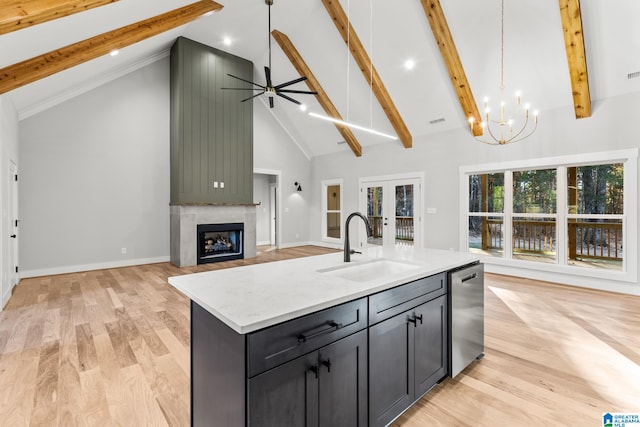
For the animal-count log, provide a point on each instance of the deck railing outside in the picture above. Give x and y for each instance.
(587, 240)
(404, 227)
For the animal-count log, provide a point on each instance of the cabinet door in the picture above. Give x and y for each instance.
(391, 349)
(343, 382)
(286, 395)
(430, 344)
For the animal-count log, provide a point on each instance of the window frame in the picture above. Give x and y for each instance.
(629, 158)
(325, 184)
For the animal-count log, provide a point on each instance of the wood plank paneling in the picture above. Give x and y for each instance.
(19, 14)
(314, 85)
(341, 21)
(211, 129)
(449, 52)
(39, 67)
(576, 56)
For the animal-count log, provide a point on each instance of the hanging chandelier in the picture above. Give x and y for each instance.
(507, 128)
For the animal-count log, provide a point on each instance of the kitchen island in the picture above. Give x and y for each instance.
(316, 341)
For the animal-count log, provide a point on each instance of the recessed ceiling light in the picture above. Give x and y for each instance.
(227, 41)
(114, 52)
(208, 13)
(409, 64)
(303, 107)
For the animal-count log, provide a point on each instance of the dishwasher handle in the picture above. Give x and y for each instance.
(470, 277)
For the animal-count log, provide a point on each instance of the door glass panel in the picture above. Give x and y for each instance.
(333, 225)
(404, 214)
(333, 211)
(374, 214)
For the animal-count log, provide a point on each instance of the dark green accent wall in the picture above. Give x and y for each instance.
(211, 130)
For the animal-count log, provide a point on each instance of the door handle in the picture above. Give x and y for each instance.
(414, 319)
(314, 369)
(327, 363)
(13, 236)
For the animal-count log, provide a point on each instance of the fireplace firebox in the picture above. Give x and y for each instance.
(220, 242)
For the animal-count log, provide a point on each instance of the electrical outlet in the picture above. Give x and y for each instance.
(123, 250)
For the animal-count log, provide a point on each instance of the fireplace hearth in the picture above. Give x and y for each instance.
(220, 242)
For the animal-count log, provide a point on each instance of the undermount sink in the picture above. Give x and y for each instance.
(368, 270)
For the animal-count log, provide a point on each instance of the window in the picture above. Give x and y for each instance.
(576, 215)
(486, 214)
(533, 222)
(595, 208)
(332, 210)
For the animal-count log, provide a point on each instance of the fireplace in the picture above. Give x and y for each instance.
(186, 247)
(220, 242)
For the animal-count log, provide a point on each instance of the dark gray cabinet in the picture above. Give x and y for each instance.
(360, 363)
(407, 352)
(326, 388)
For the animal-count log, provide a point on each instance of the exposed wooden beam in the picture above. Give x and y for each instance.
(303, 69)
(361, 57)
(576, 57)
(31, 70)
(18, 14)
(449, 52)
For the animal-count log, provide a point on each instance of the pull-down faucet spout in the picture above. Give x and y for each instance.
(347, 248)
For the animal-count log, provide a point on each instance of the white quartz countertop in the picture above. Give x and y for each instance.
(257, 296)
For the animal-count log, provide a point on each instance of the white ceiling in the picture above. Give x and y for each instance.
(391, 31)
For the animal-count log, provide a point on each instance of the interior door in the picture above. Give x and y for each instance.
(393, 210)
(12, 253)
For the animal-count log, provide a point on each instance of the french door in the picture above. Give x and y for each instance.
(393, 209)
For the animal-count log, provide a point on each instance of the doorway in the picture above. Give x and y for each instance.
(266, 193)
(393, 208)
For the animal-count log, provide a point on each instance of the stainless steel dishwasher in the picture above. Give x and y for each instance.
(466, 316)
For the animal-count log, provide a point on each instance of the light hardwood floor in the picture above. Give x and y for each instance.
(111, 347)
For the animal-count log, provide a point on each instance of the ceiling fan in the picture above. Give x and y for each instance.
(269, 88)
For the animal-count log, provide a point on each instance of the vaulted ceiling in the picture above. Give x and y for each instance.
(53, 50)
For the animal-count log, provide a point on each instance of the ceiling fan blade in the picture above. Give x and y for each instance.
(267, 75)
(271, 102)
(288, 98)
(251, 97)
(246, 81)
(306, 92)
(292, 82)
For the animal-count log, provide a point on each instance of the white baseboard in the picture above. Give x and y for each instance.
(5, 299)
(88, 267)
(328, 245)
(294, 244)
(263, 243)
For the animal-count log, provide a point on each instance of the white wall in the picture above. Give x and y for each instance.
(8, 153)
(95, 177)
(613, 126)
(275, 150)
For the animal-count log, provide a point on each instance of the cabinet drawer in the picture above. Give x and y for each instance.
(278, 344)
(388, 303)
